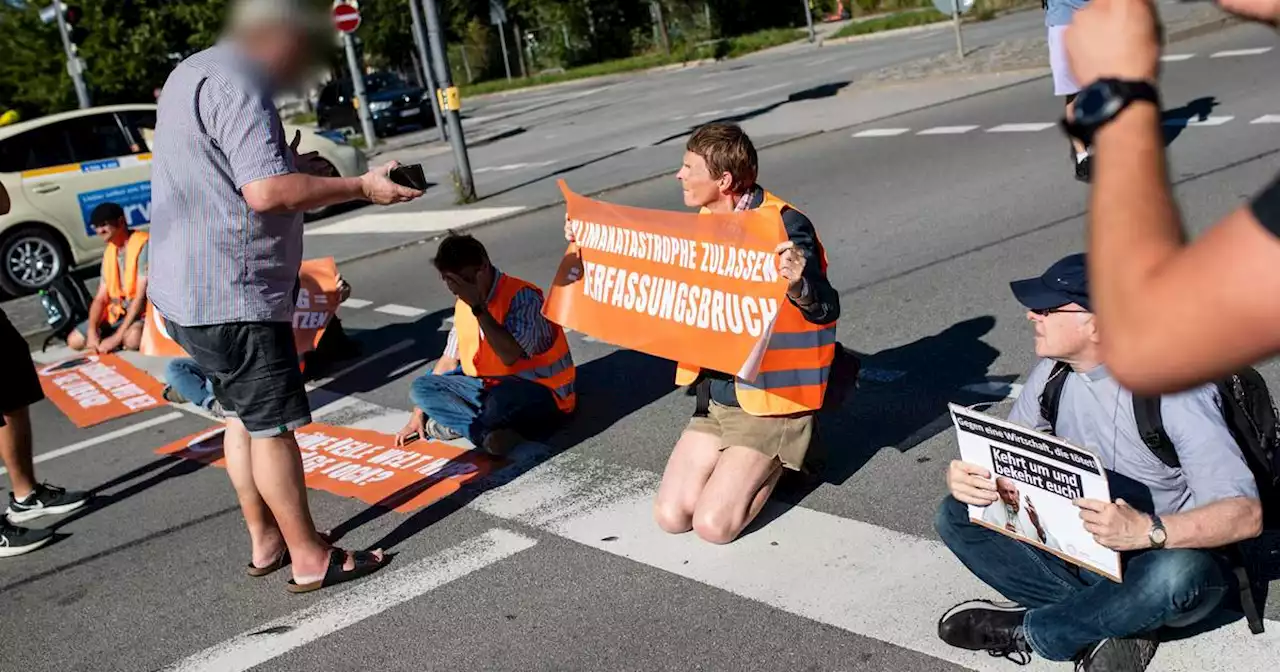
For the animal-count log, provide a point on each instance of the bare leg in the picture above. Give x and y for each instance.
(734, 495)
(1076, 145)
(264, 533)
(688, 468)
(15, 451)
(133, 337)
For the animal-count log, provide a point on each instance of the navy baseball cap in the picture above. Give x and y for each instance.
(1065, 282)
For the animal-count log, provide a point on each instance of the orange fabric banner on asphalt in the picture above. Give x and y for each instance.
(364, 464)
(700, 289)
(93, 389)
(317, 304)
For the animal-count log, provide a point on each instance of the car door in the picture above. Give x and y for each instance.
(105, 166)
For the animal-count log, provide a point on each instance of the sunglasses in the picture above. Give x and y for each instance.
(1045, 312)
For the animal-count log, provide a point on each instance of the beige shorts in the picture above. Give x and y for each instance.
(784, 437)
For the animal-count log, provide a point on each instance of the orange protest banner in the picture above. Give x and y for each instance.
(317, 304)
(96, 388)
(701, 289)
(364, 464)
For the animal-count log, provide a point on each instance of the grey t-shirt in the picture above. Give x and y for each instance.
(1096, 413)
(214, 260)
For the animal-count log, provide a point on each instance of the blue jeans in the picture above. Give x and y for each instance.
(463, 404)
(1070, 608)
(185, 376)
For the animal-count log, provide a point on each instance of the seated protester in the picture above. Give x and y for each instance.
(186, 382)
(729, 458)
(1165, 521)
(506, 372)
(117, 313)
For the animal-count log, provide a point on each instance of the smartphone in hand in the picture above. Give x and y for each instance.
(411, 176)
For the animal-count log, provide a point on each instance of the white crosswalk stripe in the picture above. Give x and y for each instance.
(1240, 52)
(1022, 128)
(1173, 58)
(400, 311)
(356, 303)
(1197, 121)
(1267, 119)
(881, 132)
(947, 130)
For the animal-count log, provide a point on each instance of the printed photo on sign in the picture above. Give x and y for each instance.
(701, 289)
(364, 464)
(1037, 478)
(134, 198)
(93, 389)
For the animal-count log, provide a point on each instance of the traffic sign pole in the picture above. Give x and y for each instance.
(448, 97)
(75, 66)
(420, 41)
(346, 18)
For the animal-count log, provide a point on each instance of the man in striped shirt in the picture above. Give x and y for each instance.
(229, 190)
(486, 386)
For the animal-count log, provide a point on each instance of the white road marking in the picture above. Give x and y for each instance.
(407, 367)
(1241, 52)
(946, 130)
(1172, 58)
(712, 113)
(1022, 128)
(316, 384)
(399, 310)
(1197, 121)
(881, 132)
(412, 222)
(103, 438)
(513, 166)
(995, 388)
(679, 118)
(757, 92)
(1267, 119)
(383, 591)
(708, 89)
(357, 303)
(822, 61)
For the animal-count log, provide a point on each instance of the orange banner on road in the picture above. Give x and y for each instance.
(701, 289)
(364, 464)
(317, 304)
(93, 389)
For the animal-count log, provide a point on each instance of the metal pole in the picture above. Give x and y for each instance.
(515, 29)
(357, 85)
(420, 40)
(75, 67)
(955, 19)
(506, 58)
(808, 17)
(456, 138)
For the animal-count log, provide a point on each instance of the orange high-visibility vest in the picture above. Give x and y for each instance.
(552, 369)
(797, 360)
(124, 289)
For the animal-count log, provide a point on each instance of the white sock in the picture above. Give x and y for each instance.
(1081, 156)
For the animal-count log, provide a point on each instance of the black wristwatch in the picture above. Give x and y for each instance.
(1100, 102)
(1157, 534)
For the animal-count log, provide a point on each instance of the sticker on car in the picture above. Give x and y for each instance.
(134, 198)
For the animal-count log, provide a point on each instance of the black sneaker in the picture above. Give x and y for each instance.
(1128, 654)
(46, 500)
(16, 540)
(985, 625)
(1084, 169)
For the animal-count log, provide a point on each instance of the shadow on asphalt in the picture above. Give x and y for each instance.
(609, 389)
(814, 93)
(1174, 121)
(901, 402)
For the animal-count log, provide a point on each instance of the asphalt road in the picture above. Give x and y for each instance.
(555, 564)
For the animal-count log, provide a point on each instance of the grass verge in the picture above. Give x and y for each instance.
(731, 47)
(892, 22)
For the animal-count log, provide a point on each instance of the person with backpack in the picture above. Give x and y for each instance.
(29, 499)
(1180, 503)
(118, 310)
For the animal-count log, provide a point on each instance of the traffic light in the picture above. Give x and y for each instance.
(75, 32)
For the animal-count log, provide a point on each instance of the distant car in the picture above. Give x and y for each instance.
(393, 104)
(57, 169)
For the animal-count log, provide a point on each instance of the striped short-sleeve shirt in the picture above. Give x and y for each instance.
(214, 260)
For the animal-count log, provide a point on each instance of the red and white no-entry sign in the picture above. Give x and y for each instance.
(346, 17)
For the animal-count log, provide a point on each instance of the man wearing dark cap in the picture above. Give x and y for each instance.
(1162, 521)
(118, 310)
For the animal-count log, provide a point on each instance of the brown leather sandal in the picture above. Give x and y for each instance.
(365, 562)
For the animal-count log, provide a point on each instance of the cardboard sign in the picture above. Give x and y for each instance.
(364, 464)
(701, 289)
(1037, 476)
(96, 388)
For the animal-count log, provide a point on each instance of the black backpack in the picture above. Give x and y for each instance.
(66, 304)
(1252, 419)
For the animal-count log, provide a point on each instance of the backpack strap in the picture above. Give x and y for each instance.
(702, 388)
(1146, 411)
(1051, 395)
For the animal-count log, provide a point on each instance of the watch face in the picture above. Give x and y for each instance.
(1158, 535)
(1097, 103)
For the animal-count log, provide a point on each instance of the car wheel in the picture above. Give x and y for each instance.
(321, 213)
(30, 258)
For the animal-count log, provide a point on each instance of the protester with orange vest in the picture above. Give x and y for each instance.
(744, 432)
(506, 373)
(117, 312)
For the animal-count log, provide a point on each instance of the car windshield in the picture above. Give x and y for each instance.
(382, 81)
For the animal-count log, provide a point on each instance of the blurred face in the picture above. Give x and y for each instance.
(701, 189)
(107, 231)
(1064, 332)
(286, 52)
(1008, 492)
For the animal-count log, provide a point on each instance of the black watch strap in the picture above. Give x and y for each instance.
(1125, 91)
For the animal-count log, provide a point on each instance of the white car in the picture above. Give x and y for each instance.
(57, 169)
